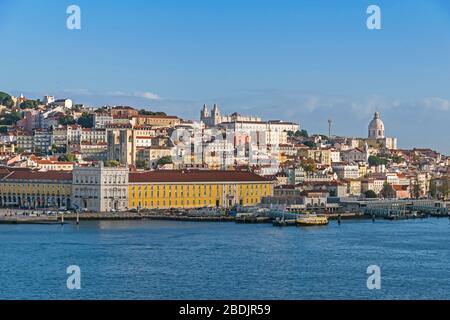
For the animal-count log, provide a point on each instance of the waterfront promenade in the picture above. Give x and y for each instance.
(11, 216)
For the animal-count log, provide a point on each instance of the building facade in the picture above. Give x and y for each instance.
(110, 189)
(36, 189)
(99, 188)
(214, 117)
(196, 189)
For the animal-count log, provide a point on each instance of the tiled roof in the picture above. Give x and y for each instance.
(156, 117)
(40, 175)
(195, 176)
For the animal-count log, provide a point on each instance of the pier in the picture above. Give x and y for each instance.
(397, 209)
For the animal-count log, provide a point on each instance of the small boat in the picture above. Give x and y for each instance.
(311, 220)
(284, 222)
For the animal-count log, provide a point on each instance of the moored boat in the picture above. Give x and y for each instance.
(311, 220)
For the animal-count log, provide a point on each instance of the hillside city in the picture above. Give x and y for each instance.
(58, 154)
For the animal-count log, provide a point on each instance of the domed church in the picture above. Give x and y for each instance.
(376, 127)
(377, 135)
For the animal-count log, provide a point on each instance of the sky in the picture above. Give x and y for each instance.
(303, 61)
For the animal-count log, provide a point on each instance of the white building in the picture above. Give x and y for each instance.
(42, 140)
(335, 156)
(99, 188)
(266, 132)
(213, 118)
(101, 119)
(355, 155)
(93, 136)
(59, 136)
(65, 103)
(346, 171)
(74, 134)
(48, 100)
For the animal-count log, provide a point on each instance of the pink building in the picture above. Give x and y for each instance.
(401, 192)
(31, 120)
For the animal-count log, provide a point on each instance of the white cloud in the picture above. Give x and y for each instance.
(137, 94)
(435, 103)
(147, 95)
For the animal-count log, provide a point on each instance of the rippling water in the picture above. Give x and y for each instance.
(193, 260)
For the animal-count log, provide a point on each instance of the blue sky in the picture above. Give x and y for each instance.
(296, 60)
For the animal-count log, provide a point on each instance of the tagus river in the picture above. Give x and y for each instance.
(195, 260)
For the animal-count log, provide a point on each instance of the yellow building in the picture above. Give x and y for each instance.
(354, 187)
(7, 148)
(35, 189)
(160, 189)
(159, 121)
(362, 170)
(51, 165)
(196, 189)
(318, 155)
(149, 156)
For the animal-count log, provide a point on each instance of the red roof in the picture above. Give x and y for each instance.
(40, 175)
(195, 176)
(53, 162)
(156, 117)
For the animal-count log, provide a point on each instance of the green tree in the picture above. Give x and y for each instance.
(310, 144)
(86, 120)
(29, 104)
(387, 191)
(164, 160)
(370, 194)
(111, 163)
(39, 151)
(444, 189)
(416, 190)
(433, 189)
(298, 134)
(376, 161)
(140, 164)
(309, 165)
(302, 133)
(68, 157)
(151, 113)
(6, 100)
(397, 159)
(10, 119)
(67, 120)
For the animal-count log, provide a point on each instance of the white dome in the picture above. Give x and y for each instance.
(376, 127)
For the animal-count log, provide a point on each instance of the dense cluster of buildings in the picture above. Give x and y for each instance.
(57, 154)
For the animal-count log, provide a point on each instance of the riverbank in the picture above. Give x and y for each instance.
(122, 216)
(158, 216)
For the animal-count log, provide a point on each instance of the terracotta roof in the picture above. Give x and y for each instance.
(400, 188)
(4, 172)
(195, 176)
(156, 117)
(53, 162)
(40, 175)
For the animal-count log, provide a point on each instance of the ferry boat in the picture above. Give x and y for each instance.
(311, 220)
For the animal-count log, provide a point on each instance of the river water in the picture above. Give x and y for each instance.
(202, 260)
